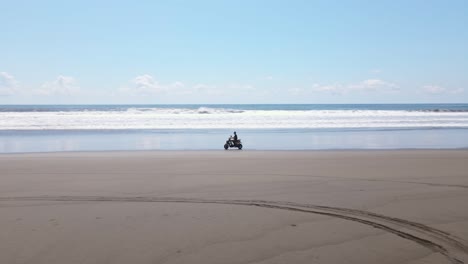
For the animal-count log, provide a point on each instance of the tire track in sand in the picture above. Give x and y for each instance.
(453, 248)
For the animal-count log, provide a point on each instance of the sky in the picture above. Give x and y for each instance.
(216, 52)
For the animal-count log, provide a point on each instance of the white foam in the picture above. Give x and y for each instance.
(214, 118)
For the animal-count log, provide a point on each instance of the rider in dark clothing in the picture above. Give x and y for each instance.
(235, 137)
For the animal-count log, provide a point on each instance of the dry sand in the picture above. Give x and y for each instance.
(235, 207)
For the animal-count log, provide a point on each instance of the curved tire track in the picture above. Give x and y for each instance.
(453, 248)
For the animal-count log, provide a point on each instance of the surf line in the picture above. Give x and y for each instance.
(453, 248)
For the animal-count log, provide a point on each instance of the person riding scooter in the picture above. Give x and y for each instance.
(233, 142)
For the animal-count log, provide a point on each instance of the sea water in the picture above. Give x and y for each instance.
(43, 128)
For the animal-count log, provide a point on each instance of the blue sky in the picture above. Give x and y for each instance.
(88, 52)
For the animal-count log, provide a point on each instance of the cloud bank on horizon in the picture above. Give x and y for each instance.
(54, 52)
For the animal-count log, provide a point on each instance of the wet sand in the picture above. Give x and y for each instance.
(399, 206)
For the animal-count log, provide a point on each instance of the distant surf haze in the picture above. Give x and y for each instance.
(124, 107)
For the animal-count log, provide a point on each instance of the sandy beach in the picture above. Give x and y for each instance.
(398, 206)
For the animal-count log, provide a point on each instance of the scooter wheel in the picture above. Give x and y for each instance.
(240, 146)
(226, 146)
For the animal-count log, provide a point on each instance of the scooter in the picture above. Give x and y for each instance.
(230, 143)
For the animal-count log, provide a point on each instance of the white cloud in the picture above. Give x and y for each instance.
(296, 91)
(201, 87)
(457, 91)
(62, 85)
(370, 85)
(8, 84)
(373, 85)
(436, 89)
(206, 89)
(146, 84)
(177, 85)
(333, 88)
(240, 87)
(231, 89)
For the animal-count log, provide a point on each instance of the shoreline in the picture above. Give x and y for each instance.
(234, 150)
(44, 141)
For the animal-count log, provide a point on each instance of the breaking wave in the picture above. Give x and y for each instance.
(227, 118)
(200, 110)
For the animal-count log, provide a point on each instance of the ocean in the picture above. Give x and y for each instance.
(51, 128)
